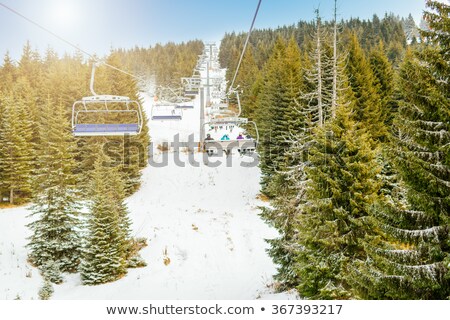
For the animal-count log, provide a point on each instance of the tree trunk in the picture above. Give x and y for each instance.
(319, 74)
(11, 196)
(334, 97)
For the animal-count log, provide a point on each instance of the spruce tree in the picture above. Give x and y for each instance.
(410, 258)
(16, 149)
(314, 107)
(107, 238)
(331, 220)
(7, 74)
(30, 68)
(384, 81)
(317, 95)
(245, 79)
(275, 111)
(368, 109)
(388, 93)
(55, 209)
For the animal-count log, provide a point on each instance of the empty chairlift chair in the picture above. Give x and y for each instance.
(166, 112)
(106, 115)
(185, 106)
(191, 86)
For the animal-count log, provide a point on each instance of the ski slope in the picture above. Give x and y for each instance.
(205, 237)
(205, 218)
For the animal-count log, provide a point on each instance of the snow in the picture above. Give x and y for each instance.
(17, 277)
(204, 218)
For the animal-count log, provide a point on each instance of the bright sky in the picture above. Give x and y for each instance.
(98, 25)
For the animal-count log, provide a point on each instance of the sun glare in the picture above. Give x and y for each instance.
(64, 13)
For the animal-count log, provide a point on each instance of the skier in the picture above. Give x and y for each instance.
(225, 137)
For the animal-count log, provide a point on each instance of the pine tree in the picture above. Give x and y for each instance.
(385, 87)
(7, 74)
(107, 239)
(368, 112)
(384, 82)
(16, 150)
(275, 113)
(283, 249)
(318, 92)
(410, 258)
(331, 220)
(30, 68)
(55, 208)
(46, 291)
(410, 28)
(315, 106)
(245, 79)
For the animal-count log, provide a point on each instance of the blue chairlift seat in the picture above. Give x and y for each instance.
(185, 106)
(106, 105)
(190, 92)
(93, 129)
(167, 117)
(166, 111)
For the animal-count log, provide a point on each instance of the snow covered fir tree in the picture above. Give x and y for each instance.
(108, 227)
(55, 242)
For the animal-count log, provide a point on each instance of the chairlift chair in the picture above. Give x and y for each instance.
(243, 146)
(191, 86)
(185, 106)
(166, 112)
(99, 115)
(227, 121)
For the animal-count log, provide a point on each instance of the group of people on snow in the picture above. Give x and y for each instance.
(226, 137)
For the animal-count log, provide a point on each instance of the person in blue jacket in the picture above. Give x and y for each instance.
(225, 137)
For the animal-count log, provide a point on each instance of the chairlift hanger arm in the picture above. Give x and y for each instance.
(245, 44)
(91, 86)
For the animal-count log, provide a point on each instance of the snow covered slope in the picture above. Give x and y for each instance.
(17, 278)
(206, 220)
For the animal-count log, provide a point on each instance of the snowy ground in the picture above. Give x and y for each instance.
(205, 218)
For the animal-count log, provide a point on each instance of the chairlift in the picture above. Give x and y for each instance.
(227, 121)
(106, 115)
(185, 106)
(191, 85)
(220, 113)
(166, 111)
(243, 146)
(221, 110)
(216, 94)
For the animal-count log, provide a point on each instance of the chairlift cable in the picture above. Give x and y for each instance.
(65, 41)
(245, 45)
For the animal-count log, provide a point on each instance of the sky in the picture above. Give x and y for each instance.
(96, 26)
